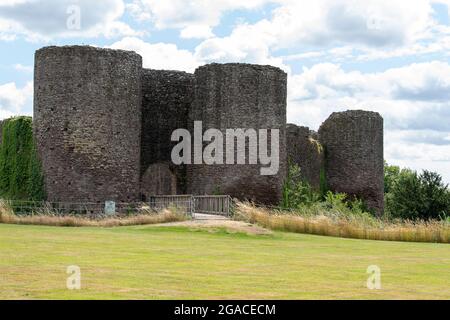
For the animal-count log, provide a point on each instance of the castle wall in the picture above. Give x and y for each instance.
(103, 129)
(87, 122)
(305, 150)
(167, 96)
(353, 142)
(230, 96)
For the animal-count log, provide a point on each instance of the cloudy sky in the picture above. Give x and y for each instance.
(390, 56)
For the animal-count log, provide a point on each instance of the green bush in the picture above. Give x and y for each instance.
(413, 196)
(300, 196)
(297, 191)
(20, 169)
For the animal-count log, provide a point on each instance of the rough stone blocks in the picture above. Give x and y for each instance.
(353, 142)
(233, 96)
(167, 97)
(306, 151)
(87, 122)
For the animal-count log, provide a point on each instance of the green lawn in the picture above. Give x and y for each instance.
(176, 263)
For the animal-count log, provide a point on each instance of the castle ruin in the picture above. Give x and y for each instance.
(103, 127)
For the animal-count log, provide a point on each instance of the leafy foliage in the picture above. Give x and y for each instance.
(20, 169)
(299, 195)
(390, 175)
(410, 195)
(297, 191)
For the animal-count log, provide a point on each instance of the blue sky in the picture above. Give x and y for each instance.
(390, 56)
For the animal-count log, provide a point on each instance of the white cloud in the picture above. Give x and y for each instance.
(418, 150)
(184, 13)
(374, 23)
(14, 99)
(22, 68)
(339, 26)
(47, 19)
(196, 31)
(160, 55)
(415, 96)
(244, 44)
(414, 101)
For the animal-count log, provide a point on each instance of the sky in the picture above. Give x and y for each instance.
(389, 56)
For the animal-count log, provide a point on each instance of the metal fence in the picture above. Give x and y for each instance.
(54, 208)
(187, 204)
(215, 205)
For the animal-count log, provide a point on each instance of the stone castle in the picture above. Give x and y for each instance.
(103, 127)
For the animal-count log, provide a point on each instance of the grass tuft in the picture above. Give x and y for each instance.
(323, 223)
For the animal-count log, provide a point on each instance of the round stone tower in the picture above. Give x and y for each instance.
(239, 96)
(87, 122)
(353, 142)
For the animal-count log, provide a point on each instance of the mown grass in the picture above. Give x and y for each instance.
(149, 262)
(315, 220)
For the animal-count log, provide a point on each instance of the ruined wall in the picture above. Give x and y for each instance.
(229, 96)
(87, 122)
(103, 127)
(305, 150)
(167, 96)
(353, 142)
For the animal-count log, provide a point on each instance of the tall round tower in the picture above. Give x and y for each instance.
(87, 122)
(240, 96)
(353, 142)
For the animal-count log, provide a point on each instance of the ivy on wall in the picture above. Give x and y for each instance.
(21, 174)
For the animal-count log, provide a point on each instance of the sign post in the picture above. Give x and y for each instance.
(110, 208)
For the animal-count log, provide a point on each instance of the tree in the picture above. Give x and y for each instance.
(391, 174)
(404, 199)
(436, 200)
(412, 196)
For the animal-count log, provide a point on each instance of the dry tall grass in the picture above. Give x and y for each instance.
(432, 231)
(47, 218)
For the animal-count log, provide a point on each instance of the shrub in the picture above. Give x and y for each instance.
(298, 194)
(297, 191)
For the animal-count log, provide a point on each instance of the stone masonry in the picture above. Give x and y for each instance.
(354, 161)
(305, 150)
(232, 96)
(167, 97)
(87, 122)
(103, 128)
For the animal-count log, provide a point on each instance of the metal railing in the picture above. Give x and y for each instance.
(215, 205)
(187, 204)
(184, 203)
(20, 207)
